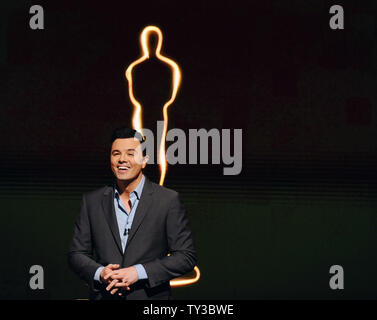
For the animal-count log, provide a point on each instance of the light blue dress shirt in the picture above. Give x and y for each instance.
(124, 220)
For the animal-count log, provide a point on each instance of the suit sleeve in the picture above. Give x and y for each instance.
(182, 258)
(80, 255)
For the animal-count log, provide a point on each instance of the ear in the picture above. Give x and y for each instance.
(145, 160)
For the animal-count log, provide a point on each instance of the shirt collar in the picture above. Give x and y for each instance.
(138, 190)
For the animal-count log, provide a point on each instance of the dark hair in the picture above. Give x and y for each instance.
(125, 132)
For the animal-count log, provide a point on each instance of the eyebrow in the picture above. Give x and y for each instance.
(116, 150)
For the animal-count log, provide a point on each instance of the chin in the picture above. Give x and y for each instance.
(126, 177)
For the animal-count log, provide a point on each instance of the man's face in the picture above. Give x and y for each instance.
(127, 158)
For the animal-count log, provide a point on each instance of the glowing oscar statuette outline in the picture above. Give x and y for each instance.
(137, 114)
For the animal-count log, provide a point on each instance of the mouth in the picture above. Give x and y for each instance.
(123, 169)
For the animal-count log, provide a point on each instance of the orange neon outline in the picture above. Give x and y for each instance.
(137, 114)
(136, 117)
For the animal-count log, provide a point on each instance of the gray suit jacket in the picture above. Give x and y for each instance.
(160, 226)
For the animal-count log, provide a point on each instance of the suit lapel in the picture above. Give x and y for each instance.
(109, 210)
(142, 209)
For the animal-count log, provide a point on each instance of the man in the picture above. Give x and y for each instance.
(138, 230)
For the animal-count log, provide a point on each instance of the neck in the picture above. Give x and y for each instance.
(126, 187)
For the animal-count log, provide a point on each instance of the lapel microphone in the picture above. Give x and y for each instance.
(126, 231)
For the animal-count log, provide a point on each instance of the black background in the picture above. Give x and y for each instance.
(303, 94)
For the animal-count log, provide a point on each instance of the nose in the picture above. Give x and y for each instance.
(123, 158)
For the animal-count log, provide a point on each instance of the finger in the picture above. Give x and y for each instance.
(110, 274)
(107, 276)
(111, 284)
(114, 272)
(114, 290)
(121, 285)
(114, 266)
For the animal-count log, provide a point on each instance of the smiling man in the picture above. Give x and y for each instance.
(138, 230)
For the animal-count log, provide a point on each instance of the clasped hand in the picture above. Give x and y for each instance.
(116, 278)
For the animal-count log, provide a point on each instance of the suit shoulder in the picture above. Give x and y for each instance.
(164, 191)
